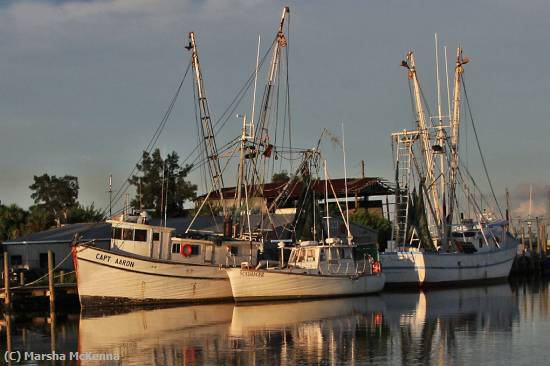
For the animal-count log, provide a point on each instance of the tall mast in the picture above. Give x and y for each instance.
(424, 137)
(262, 137)
(455, 129)
(206, 124)
(440, 142)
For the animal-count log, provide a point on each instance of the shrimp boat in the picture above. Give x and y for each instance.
(315, 269)
(148, 264)
(443, 232)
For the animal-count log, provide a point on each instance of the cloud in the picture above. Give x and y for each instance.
(520, 203)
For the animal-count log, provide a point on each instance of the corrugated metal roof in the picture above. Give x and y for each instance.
(88, 231)
(368, 186)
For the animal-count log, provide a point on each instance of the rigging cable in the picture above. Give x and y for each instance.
(479, 147)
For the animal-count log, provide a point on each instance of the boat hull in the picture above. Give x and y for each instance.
(106, 278)
(433, 269)
(253, 285)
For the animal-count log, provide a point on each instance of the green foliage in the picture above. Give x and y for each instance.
(81, 213)
(55, 195)
(39, 219)
(12, 221)
(362, 217)
(149, 180)
(280, 177)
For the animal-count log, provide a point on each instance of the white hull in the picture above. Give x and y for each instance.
(419, 269)
(109, 278)
(252, 285)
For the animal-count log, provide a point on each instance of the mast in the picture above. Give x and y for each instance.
(441, 143)
(455, 129)
(262, 136)
(206, 124)
(424, 137)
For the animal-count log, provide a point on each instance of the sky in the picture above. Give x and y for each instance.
(84, 83)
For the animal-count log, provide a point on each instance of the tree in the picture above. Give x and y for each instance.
(362, 217)
(81, 213)
(154, 171)
(39, 219)
(55, 195)
(280, 177)
(12, 221)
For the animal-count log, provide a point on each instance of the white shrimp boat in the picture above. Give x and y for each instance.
(146, 265)
(441, 235)
(314, 270)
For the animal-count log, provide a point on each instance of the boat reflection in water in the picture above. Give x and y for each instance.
(435, 326)
(454, 325)
(166, 336)
(459, 326)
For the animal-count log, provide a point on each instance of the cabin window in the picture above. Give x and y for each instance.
(128, 234)
(43, 259)
(176, 247)
(310, 255)
(196, 250)
(233, 250)
(156, 236)
(334, 255)
(322, 256)
(16, 260)
(300, 255)
(117, 233)
(140, 235)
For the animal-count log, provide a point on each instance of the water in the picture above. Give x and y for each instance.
(492, 325)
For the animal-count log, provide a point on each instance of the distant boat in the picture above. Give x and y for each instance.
(432, 242)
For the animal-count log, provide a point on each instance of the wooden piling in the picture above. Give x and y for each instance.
(51, 286)
(7, 293)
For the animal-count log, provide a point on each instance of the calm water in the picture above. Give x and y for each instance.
(493, 325)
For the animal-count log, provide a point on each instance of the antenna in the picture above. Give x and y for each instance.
(110, 195)
(437, 77)
(448, 89)
(251, 133)
(350, 238)
(326, 198)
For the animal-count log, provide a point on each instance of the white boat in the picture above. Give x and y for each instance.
(146, 264)
(314, 270)
(441, 233)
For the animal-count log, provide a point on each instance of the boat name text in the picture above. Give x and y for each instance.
(120, 262)
(251, 273)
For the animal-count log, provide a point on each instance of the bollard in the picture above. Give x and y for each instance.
(51, 281)
(7, 293)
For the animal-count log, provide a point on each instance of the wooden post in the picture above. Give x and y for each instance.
(62, 277)
(7, 293)
(22, 279)
(362, 168)
(51, 281)
(539, 245)
(530, 233)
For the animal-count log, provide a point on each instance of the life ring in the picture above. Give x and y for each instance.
(186, 250)
(376, 268)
